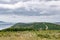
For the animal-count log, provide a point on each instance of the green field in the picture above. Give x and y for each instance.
(31, 35)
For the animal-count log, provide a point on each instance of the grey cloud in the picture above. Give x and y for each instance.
(12, 1)
(15, 1)
(51, 10)
(25, 12)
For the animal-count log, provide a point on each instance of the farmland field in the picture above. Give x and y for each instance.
(30, 35)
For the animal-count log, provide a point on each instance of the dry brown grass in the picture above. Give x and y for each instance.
(30, 35)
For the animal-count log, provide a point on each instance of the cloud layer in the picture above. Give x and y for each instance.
(26, 19)
(30, 10)
(32, 5)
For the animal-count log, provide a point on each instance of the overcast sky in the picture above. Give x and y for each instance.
(30, 10)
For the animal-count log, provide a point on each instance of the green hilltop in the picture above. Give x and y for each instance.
(33, 26)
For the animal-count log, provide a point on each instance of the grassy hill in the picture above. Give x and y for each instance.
(33, 26)
(23, 31)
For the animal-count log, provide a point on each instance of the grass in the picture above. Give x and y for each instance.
(31, 35)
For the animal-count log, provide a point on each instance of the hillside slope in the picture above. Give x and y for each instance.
(33, 26)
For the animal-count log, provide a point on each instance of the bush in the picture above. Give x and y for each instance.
(43, 35)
